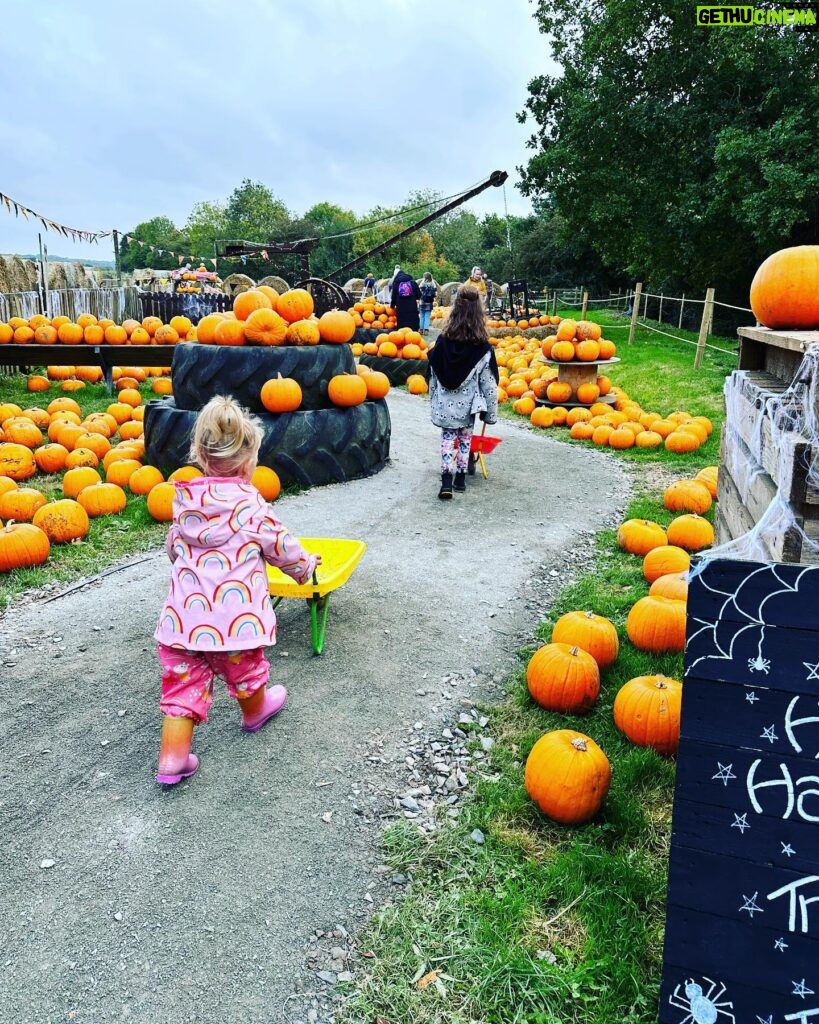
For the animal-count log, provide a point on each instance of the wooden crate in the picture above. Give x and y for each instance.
(754, 465)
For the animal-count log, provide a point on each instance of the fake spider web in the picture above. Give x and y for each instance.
(793, 416)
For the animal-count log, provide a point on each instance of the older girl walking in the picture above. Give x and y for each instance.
(463, 382)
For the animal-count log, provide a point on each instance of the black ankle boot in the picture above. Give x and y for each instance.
(460, 481)
(445, 492)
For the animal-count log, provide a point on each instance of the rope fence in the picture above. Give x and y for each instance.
(648, 309)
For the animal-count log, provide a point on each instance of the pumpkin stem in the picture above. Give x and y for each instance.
(579, 744)
(589, 615)
(574, 651)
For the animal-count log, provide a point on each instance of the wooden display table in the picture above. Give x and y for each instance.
(104, 356)
(577, 373)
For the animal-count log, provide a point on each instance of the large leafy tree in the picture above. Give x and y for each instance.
(161, 233)
(682, 153)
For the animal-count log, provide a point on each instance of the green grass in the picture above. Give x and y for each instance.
(110, 537)
(545, 923)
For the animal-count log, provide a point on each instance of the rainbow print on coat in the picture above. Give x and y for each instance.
(248, 624)
(223, 533)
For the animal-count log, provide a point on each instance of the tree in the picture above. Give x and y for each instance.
(159, 232)
(681, 152)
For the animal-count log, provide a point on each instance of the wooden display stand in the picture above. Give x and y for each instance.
(755, 463)
(577, 373)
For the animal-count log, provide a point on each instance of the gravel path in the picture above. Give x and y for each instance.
(119, 900)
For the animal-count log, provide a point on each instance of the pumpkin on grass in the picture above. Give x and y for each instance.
(142, 480)
(564, 678)
(160, 502)
(647, 711)
(21, 504)
(691, 532)
(673, 585)
(660, 561)
(102, 499)
(687, 496)
(592, 633)
(62, 521)
(639, 536)
(568, 776)
(657, 624)
(16, 461)
(76, 480)
(22, 545)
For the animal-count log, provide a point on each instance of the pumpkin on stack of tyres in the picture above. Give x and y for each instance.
(321, 423)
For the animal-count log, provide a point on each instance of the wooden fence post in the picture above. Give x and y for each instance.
(554, 303)
(660, 314)
(117, 258)
(705, 327)
(635, 310)
(584, 304)
(682, 307)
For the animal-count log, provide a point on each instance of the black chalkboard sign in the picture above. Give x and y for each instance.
(742, 928)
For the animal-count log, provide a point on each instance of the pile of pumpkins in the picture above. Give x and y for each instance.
(578, 341)
(263, 317)
(260, 316)
(284, 394)
(567, 774)
(372, 315)
(74, 378)
(100, 460)
(403, 343)
(524, 378)
(534, 319)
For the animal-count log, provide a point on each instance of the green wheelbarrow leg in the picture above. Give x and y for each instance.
(318, 621)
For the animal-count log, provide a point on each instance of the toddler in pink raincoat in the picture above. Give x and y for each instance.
(218, 617)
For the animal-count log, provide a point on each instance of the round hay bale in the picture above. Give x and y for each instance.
(448, 292)
(233, 284)
(540, 333)
(4, 281)
(273, 281)
(22, 274)
(56, 276)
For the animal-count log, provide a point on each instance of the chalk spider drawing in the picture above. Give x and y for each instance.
(702, 1007)
(759, 664)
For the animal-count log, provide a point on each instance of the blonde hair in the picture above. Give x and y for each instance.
(226, 438)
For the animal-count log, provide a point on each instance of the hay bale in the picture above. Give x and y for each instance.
(540, 333)
(4, 280)
(234, 284)
(448, 292)
(22, 274)
(56, 276)
(272, 281)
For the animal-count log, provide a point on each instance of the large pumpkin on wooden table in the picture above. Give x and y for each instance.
(785, 289)
(568, 776)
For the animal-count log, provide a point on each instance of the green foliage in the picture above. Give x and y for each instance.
(682, 153)
(160, 232)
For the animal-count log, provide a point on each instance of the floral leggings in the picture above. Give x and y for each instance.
(455, 448)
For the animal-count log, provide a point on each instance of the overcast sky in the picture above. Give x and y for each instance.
(116, 113)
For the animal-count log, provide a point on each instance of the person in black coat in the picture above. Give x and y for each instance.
(405, 296)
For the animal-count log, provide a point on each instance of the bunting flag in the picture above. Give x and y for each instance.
(76, 234)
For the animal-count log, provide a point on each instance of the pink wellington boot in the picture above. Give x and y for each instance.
(264, 704)
(176, 762)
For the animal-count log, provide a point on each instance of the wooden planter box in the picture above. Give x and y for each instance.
(754, 464)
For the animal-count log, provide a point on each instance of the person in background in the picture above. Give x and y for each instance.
(369, 285)
(404, 299)
(477, 279)
(463, 382)
(217, 618)
(428, 289)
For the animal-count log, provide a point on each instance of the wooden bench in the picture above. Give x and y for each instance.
(23, 357)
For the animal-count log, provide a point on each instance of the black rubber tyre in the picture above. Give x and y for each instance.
(397, 370)
(309, 447)
(202, 371)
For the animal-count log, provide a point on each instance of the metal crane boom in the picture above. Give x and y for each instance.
(496, 179)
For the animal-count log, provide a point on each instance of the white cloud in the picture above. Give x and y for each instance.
(117, 113)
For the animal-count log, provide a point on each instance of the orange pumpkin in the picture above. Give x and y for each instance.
(568, 776)
(281, 394)
(160, 502)
(296, 304)
(345, 389)
(785, 289)
(22, 545)
(562, 677)
(590, 632)
(62, 521)
(336, 326)
(248, 302)
(647, 710)
(267, 482)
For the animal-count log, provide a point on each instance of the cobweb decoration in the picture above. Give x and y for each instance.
(794, 417)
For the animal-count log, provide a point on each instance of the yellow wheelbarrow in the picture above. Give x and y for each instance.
(338, 560)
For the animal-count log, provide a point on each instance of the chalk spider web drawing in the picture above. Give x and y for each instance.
(718, 639)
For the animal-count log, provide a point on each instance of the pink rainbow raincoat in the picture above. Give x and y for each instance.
(222, 535)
